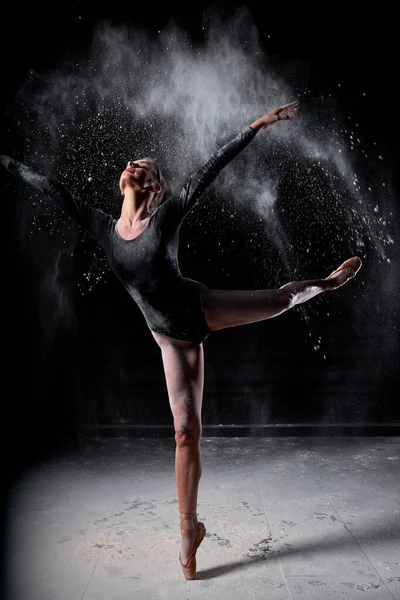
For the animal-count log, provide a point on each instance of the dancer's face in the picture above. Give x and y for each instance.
(138, 175)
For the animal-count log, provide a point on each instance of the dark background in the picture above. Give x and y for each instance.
(103, 375)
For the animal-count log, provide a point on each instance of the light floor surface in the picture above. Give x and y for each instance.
(287, 518)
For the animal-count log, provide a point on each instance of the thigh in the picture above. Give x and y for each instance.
(228, 308)
(183, 364)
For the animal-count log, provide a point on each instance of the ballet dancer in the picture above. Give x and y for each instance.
(142, 250)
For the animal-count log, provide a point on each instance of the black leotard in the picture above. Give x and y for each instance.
(148, 265)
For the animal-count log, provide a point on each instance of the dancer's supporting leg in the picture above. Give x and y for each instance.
(228, 308)
(184, 373)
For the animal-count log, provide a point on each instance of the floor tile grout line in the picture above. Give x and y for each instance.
(356, 541)
(289, 596)
(341, 520)
(23, 541)
(382, 486)
(118, 506)
(111, 514)
(90, 578)
(188, 585)
(108, 514)
(370, 473)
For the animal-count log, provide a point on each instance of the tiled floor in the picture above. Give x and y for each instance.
(287, 518)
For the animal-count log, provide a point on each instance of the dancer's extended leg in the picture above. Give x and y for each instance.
(228, 308)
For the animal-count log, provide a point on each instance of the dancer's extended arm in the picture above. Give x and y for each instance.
(92, 219)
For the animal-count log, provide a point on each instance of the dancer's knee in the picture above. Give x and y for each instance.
(187, 431)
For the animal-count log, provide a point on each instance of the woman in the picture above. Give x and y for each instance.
(142, 250)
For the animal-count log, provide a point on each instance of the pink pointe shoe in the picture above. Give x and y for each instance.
(346, 271)
(189, 568)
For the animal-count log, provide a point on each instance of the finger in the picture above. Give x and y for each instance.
(286, 111)
(287, 114)
(291, 104)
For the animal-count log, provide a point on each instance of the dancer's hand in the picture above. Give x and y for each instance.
(282, 113)
(5, 160)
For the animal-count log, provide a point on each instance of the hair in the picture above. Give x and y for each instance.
(159, 178)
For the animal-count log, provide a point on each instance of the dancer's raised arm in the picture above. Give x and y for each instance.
(92, 219)
(282, 113)
(203, 177)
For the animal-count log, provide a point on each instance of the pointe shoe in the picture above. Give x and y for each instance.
(189, 568)
(351, 265)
